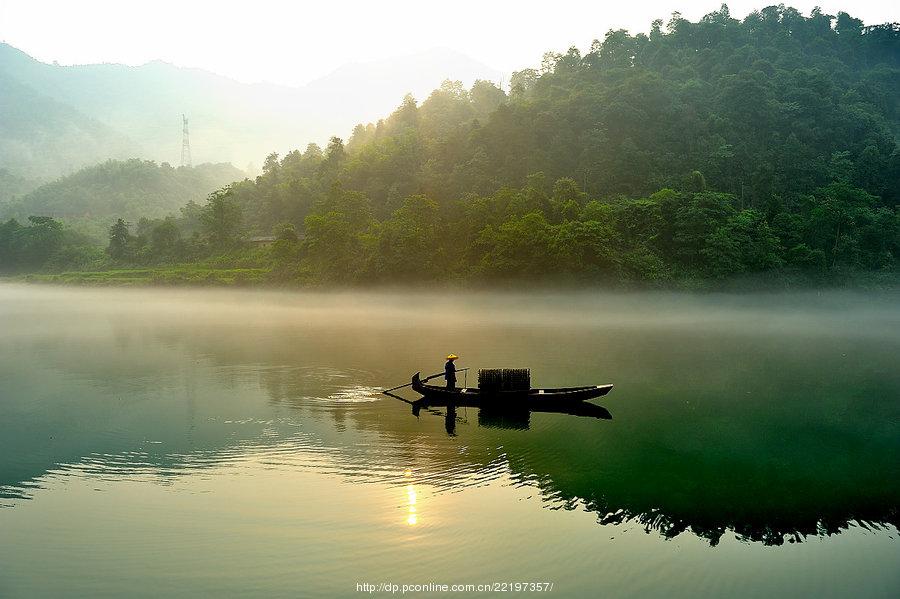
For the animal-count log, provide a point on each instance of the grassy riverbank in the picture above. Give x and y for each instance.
(180, 275)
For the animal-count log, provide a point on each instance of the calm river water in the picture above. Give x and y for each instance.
(220, 443)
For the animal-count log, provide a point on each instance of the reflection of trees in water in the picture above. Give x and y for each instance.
(770, 529)
(674, 495)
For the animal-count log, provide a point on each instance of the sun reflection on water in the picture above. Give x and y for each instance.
(412, 517)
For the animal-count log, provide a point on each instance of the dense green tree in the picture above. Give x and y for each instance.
(42, 238)
(285, 251)
(406, 243)
(221, 220)
(698, 217)
(485, 98)
(587, 249)
(44, 243)
(517, 248)
(848, 228)
(744, 243)
(119, 240)
(165, 238)
(285, 232)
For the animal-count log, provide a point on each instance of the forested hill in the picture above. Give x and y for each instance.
(766, 108)
(774, 139)
(128, 189)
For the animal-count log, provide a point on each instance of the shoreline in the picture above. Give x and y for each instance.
(190, 276)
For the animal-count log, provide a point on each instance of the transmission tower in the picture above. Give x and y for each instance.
(185, 144)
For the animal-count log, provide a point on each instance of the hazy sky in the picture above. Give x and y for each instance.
(294, 42)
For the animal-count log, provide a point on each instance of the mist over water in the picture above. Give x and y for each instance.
(210, 440)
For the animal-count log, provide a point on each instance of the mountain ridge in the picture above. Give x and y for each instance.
(230, 121)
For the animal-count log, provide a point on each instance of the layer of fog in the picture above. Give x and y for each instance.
(26, 309)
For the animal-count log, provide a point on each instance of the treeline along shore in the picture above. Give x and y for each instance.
(698, 154)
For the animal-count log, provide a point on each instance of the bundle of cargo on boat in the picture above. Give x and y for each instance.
(504, 379)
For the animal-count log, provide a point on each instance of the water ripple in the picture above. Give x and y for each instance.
(299, 451)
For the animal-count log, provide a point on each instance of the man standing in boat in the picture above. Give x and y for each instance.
(450, 371)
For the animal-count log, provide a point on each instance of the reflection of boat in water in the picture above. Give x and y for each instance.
(512, 415)
(534, 399)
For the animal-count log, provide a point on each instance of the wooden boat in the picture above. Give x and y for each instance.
(531, 397)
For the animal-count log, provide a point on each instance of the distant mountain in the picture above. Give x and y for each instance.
(59, 118)
(127, 189)
(41, 137)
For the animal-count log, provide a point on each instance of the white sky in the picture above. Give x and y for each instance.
(295, 42)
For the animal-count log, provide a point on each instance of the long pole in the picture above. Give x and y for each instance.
(427, 378)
